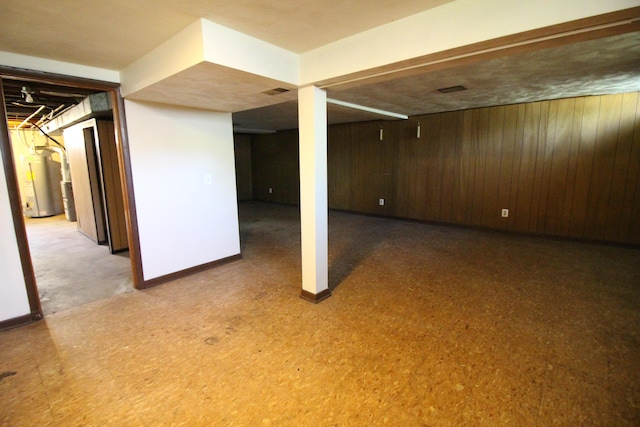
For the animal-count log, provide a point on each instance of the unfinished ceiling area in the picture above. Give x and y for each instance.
(37, 102)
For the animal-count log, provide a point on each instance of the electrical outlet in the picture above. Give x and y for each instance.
(505, 213)
(270, 190)
(381, 202)
(208, 179)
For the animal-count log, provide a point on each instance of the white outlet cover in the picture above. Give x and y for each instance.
(381, 202)
(505, 213)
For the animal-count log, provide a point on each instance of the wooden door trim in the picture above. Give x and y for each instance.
(18, 222)
(124, 165)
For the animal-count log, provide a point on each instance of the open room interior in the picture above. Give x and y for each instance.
(336, 213)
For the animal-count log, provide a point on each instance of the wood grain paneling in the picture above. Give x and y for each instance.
(242, 149)
(112, 186)
(275, 166)
(568, 167)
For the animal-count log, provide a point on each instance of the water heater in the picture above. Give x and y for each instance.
(42, 192)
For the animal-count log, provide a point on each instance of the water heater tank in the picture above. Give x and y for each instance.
(42, 192)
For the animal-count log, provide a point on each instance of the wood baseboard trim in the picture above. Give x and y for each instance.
(315, 298)
(187, 272)
(17, 321)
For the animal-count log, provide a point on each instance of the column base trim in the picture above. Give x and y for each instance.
(315, 298)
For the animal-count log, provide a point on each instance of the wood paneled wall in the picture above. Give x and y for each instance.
(242, 149)
(567, 167)
(275, 166)
(112, 186)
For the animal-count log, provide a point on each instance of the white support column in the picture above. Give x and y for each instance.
(312, 118)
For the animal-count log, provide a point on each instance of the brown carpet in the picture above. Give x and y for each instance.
(427, 325)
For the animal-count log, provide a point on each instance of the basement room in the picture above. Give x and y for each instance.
(320, 213)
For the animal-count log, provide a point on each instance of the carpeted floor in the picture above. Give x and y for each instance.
(427, 325)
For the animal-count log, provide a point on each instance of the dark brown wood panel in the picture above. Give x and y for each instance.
(467, 169)
(517, 160)
(538, 174)
(528, 155)
(619, 178)
(576, 129)
(567, 167)
(112, 187)
(448, 138)
(479, 141)
(584, 166)
(275, 166)
(242, 149)
(559, 134)
(495, 132)
(630, 220)
(605, 150)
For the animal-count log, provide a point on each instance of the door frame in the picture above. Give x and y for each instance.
(124, 164)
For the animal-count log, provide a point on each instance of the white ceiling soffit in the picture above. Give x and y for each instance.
(213, 87)
(122, 31)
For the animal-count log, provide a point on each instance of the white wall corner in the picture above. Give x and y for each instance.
(234, 49)
(180, 52)
(58, 67)
(183, 172)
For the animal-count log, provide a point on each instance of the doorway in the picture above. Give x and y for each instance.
(63, 267)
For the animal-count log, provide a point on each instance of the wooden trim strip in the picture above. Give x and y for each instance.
(16, 213)
(315, 298)
(187, 272)
(610, 24)
(124, 162)
(16, 321)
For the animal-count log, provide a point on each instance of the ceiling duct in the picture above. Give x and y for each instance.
(94, 105)
(452, 89)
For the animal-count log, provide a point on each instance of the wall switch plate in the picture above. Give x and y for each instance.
(505, 213)
(208, 179)
(270, 190)
(381, 202)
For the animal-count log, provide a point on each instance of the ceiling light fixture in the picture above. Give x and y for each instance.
(26, 93)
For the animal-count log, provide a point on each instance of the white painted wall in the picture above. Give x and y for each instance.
(183, 172)
(13, 292)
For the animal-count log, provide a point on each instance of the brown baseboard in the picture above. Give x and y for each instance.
(187, 272)
(16, 321)
(315, 298)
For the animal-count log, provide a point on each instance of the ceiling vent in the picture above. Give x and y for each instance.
(276, 91)
(452, 89)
